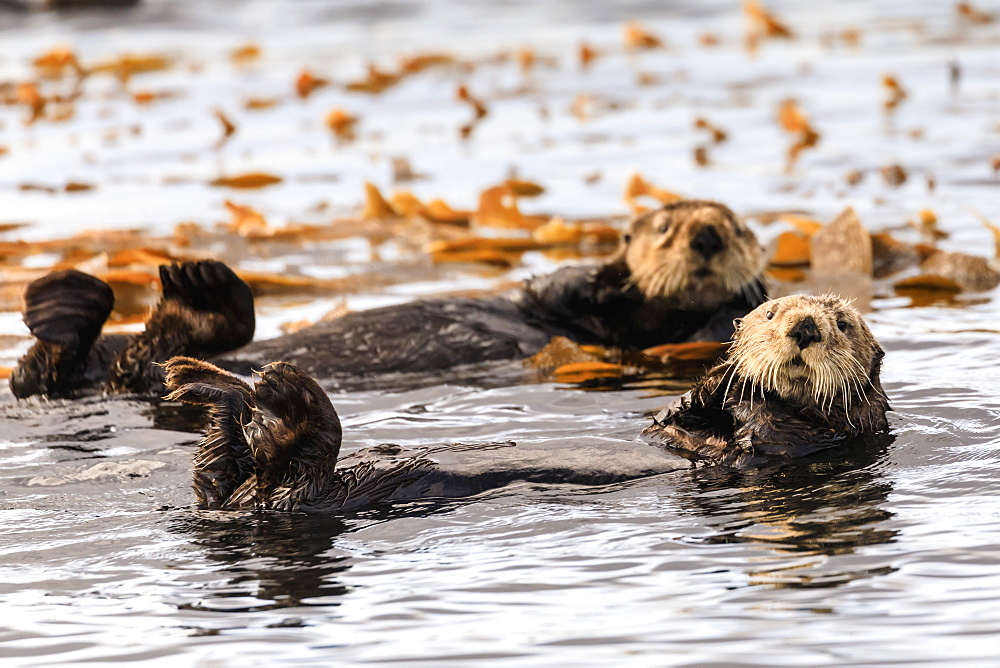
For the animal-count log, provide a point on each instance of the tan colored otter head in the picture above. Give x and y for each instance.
(694, 252)
(808, 350)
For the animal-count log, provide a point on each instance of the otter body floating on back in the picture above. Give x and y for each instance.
(684, 272)
(802, 374)
(276, 445)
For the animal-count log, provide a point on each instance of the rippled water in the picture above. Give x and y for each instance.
(884, 555)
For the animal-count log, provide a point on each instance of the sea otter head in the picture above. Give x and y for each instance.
(809, 350)
(695, 253)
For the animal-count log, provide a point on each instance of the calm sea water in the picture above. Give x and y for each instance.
(859, 557)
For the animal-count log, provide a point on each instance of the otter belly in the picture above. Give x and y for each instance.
(420, 336)
(458, 471)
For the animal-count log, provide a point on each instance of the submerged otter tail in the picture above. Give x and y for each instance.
(223, 461)
(205, 310)
(65, 311)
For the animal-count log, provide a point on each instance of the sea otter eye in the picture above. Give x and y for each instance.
(769, 315)
(663, 227)
(842, 325)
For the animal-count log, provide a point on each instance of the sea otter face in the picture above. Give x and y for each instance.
(811, 350)
(695, 253)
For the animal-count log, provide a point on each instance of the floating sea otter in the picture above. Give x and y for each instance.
(684, 272)
(276, 446)
(803, 374)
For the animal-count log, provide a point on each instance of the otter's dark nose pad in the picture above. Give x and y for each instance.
(805, 332)
(707, 242)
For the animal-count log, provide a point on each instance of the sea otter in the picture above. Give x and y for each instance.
(682, 274)
(275, 446)
(802, 374)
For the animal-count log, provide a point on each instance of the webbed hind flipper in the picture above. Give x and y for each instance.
(65, 311)
(295, 436)
(205, 310)
(223, 461)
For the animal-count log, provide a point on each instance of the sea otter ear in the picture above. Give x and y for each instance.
(737, 324)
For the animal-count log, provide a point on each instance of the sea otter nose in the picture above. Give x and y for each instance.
(707, 242)
(805, 332)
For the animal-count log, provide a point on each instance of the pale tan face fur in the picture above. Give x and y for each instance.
(696, 253)
(812, 362)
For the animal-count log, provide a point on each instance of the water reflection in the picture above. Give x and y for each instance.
(282, 560)
(271, 561)
(824, 506)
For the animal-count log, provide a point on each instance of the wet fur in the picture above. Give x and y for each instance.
(275, 446)
(770, 399)
(205, 309)
(657, 289)
(65, 311)
(660, 288)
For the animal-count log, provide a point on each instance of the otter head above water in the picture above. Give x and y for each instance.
(695, 253)
(802, 373)
(808, 350)
(682, 274)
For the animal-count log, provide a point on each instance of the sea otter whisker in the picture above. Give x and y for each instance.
(847, 413)
(822, 399)
(732, 374)
(665, 283)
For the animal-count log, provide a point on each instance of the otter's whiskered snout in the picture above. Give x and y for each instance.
(695, 253)
(840, 369)
(778, 396)
(805, 333)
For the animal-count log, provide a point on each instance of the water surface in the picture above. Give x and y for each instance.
(885, 554)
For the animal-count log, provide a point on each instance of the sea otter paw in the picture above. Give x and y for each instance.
(68, 308)
(198, 382)
(212, 301)
(283, 389)
(290, 406)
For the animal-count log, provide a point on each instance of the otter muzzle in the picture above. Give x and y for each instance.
(805, 332)
(707, 242)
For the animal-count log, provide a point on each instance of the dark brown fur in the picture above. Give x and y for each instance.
(65, 311)
(205, 309)
(275, 447)
(802, 374)
(683, 273)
